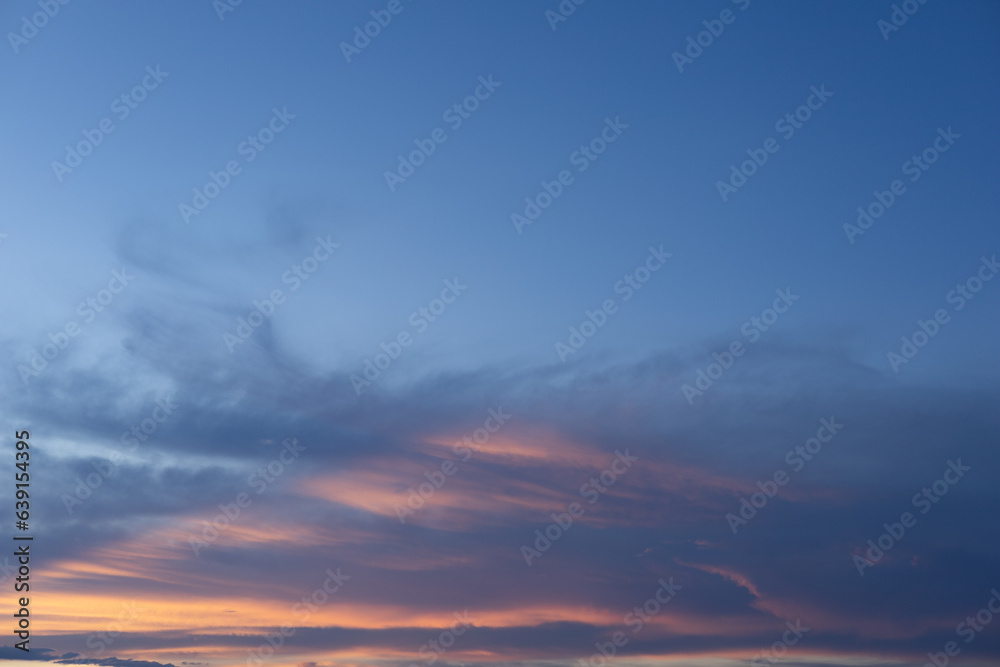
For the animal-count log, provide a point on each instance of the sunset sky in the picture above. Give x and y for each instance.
(517, 334)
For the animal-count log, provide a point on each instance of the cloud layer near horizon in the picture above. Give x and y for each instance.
(142, 538)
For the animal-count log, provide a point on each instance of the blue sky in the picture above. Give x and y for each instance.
(655, 185)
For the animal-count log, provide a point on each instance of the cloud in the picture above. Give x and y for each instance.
(50, 656)
(335, 506)
(115, 662)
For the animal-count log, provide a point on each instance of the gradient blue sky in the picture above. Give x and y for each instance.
(656, 185)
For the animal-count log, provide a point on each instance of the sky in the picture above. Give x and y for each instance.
(509, 333)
